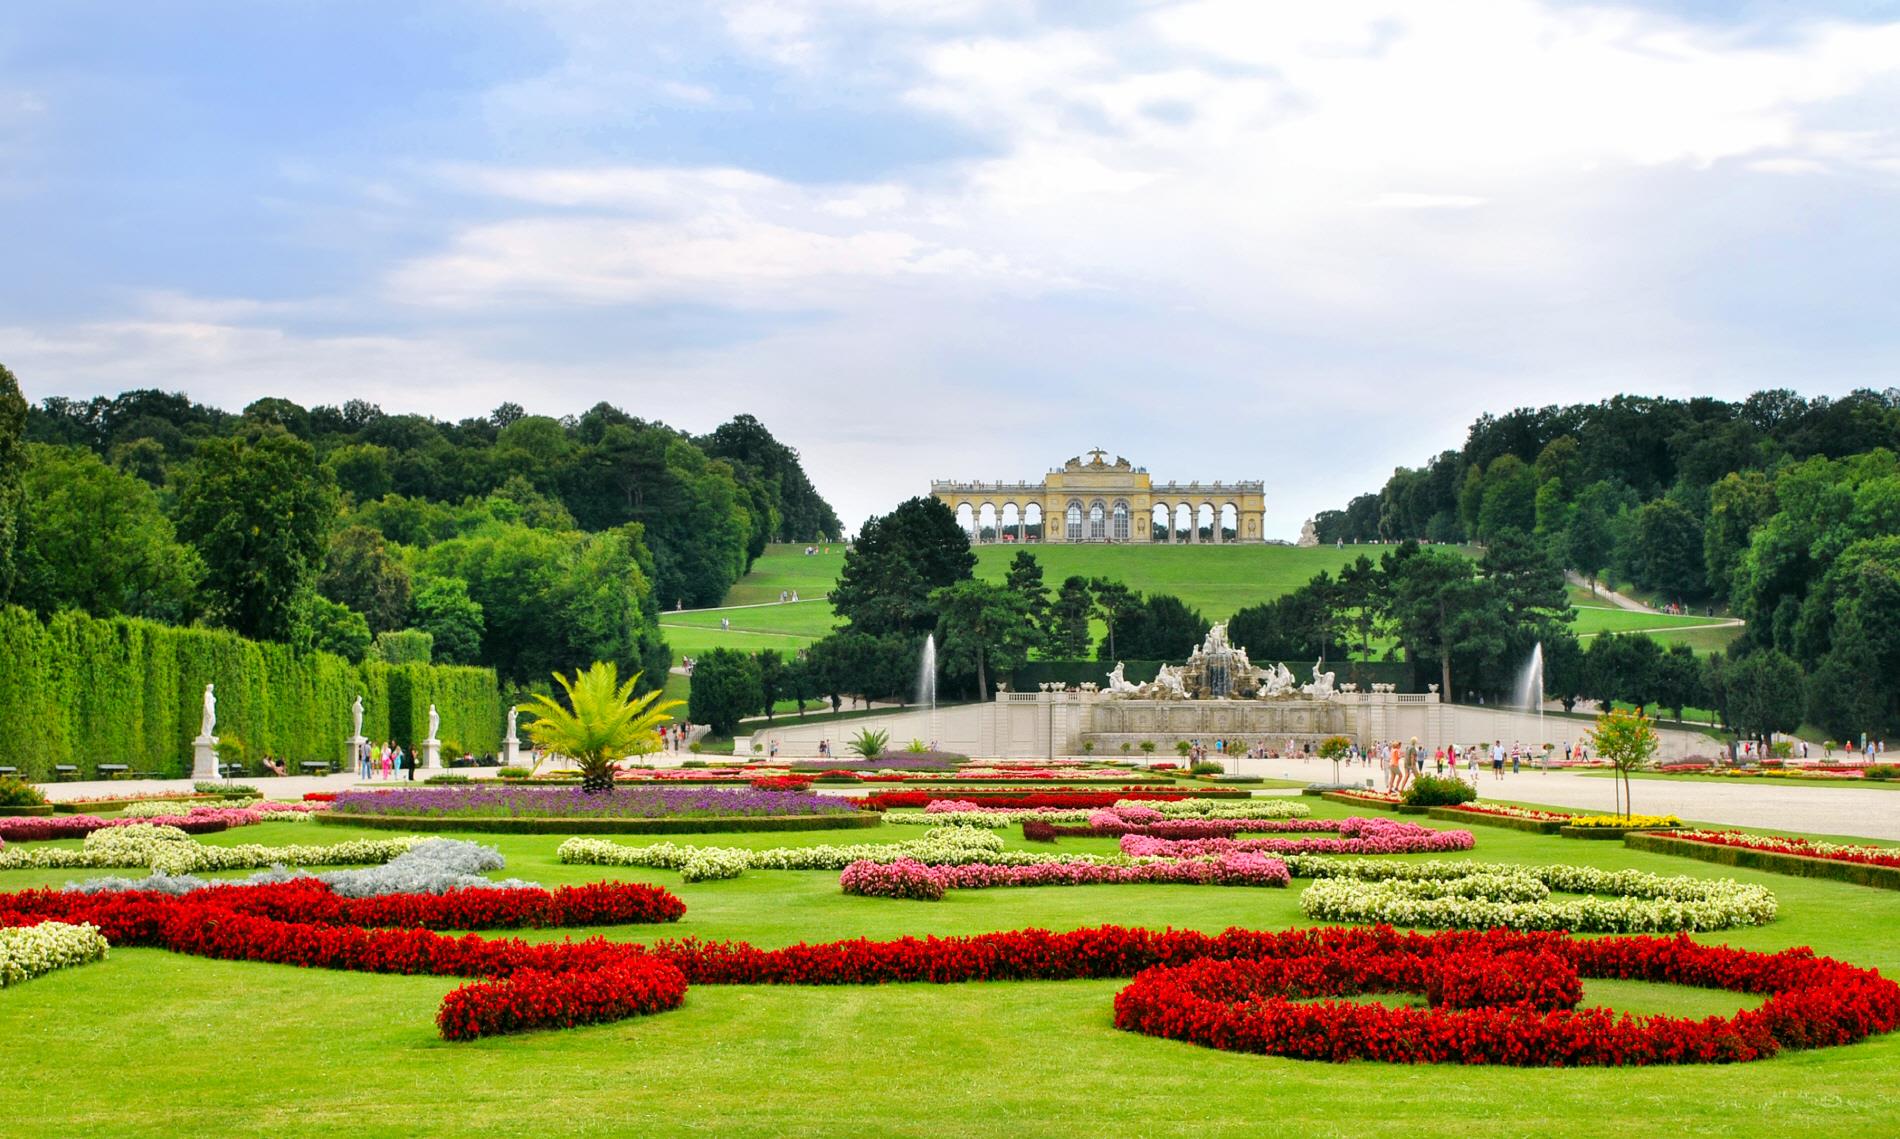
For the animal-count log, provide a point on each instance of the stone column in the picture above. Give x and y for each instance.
(355, 756)
(431, 754)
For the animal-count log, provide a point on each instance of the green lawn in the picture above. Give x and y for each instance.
(150, 1042)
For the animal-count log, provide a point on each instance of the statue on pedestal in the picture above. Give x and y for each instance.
(1118, 682)
(435, 723)
(356, 717)
(514, 714)
(210, 719)
(1309, 536)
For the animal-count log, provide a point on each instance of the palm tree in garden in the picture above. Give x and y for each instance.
(603, 723)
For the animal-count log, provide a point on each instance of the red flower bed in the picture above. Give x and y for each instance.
(1257, 1005)
(1037, 831)
(782, 782)
(319, 796)
(303, 923)
(1055, 797)
(1232, 990)
(1776, 844)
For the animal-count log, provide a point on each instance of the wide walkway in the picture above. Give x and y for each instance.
(289, 787)
(1865, 811)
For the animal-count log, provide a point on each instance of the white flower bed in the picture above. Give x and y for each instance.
(36, 950)
(1480, 895)
(171, 851)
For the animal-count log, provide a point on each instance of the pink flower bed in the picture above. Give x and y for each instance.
(1356, 836)
(906, 878)
(193, 820)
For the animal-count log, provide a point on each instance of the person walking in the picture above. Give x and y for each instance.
(1497, 760)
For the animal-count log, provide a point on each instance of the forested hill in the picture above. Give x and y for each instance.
(521, 542)
(1786, 509)
(708, 504)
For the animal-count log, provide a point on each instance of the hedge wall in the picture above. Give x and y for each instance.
(81, 690)
(1773, 861)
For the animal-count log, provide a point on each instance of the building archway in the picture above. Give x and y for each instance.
(966, 519)
(1012, 523)
(1098, 521)
(1158, 528)
(986, 522)
(1183, 522)
(1032, 522)
(1229, 522)
(1204, 522)
(1072, 521)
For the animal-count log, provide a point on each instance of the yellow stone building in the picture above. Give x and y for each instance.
(1101, 501)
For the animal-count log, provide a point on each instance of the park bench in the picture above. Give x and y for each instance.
(9, 772)
(314, 767)
(113, 770)
(65, 771)
(231, 770)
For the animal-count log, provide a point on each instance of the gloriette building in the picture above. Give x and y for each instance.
(1100, 501)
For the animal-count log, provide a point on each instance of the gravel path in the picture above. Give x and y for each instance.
(1861, 811)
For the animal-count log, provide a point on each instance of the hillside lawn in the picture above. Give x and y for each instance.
(1217, 580)
(152, 1043)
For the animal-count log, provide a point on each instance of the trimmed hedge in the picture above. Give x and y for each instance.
(1603, 832)
(1534, 826)
(83, 690)
(1859, 874)
(512, 825)
(35, 810)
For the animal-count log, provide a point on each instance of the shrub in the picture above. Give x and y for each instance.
(1183, 747)
(447, 779)
(1334, 747)
(1148, 746)
(231, 790)
(19, 793)
(917, 747)
(869, 743)
(1207, 767)
(1882, 772)
(1088, 747)
(513, 773)
(1431, 791)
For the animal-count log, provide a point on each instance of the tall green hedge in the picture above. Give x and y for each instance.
(81, 690)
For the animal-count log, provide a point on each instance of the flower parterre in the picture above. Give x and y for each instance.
(1260, 1004)
(33, 951)
(1054, 797)
(501, 800)
(1512, 812)
(1624, 822)
(907, 878)
(942, 846)
(300, 923)
(1806, 848)
(169, 849)
(1482, 895)
(1356, 836)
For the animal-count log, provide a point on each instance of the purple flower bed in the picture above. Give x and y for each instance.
(501, 801)
(907, 878)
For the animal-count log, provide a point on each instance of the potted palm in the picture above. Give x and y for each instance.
(602, 723)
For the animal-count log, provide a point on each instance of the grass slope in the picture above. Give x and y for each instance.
(153, 1043)
(1217, 580)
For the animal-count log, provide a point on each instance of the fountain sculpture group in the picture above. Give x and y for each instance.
(1218, 670)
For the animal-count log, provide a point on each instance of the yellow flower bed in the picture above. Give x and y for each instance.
(1624, 821)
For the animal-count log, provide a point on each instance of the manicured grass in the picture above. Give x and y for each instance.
(249, 1048)
(1755, 781)
(1594, 619)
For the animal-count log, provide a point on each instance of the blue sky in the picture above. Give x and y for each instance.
(959, 238)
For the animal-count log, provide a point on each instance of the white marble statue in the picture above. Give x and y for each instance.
(210, 719)
(1118, 682)
(514, 714)
(435, 723)
(356, 717)
(1168, 684)
(1322, 685)
(1276, 681)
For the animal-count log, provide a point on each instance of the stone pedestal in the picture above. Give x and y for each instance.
(510, 751)
(353, 759)
(204, 757)
(431, 754)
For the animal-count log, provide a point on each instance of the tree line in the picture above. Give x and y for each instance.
(521, 542)
(1784, 510)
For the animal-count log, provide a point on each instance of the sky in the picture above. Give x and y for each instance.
(922, 239)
